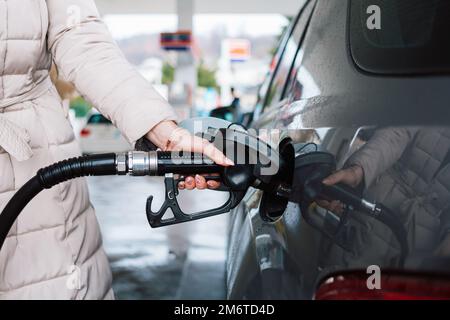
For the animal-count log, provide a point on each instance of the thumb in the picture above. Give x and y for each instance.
(209, 150)
(334, 178)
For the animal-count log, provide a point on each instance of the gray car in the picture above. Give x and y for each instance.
(369, 82)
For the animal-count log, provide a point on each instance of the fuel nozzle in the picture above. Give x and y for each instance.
(252, 158)
(307, 187)
(172, 165)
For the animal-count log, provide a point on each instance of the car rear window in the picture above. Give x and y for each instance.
(400, 36)
(98, 119)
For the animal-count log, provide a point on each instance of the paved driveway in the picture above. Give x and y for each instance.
(184, 261)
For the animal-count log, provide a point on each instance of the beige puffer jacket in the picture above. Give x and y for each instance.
(54, 250)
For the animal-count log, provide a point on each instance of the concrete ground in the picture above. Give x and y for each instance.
(185, 261)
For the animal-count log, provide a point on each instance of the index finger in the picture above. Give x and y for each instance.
(215, 154)
(334, 178)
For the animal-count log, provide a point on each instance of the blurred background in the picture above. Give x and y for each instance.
(206, 57)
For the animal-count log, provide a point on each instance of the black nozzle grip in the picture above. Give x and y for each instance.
(343, 193)
(186, 163)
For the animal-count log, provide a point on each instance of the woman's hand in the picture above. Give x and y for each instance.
(351, 176)
(169, 137)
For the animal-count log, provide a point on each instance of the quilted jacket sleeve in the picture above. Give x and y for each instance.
(382, 151)
(86, 55)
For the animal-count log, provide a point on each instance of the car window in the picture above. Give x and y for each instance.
(301, 84)
(264, 88)
(98, 119)
(400, 36)
(285, 65)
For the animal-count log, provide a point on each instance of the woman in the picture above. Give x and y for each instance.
(57, 234)
(407, 169)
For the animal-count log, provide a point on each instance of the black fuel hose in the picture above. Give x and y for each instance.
(388, 218)
(376, 211)
(46, 178)
(15, 206)
(153, 163)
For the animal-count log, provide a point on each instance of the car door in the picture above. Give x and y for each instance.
(256, 256)
(294, 269)
(350, 84)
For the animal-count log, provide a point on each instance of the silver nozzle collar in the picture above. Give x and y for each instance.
(153, 162)
(138, 163)
(121, 164)
(368, 205)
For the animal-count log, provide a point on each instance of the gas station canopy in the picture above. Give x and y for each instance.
(286, 7)
(179, 38)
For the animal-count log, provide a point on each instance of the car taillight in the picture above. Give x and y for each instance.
(85, 132)
(393, 286)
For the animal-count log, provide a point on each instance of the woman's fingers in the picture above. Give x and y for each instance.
(351, 176)
(335, 178)
(333, 206)
(182, 140)
(323, 203)
(190, 183)
(336, 207)
(213, 184)
(203, 146)
(200, 182)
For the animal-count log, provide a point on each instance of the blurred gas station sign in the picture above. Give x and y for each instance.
(178, 41)
(239, 50)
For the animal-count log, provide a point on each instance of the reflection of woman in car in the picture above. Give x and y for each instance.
(54, 250)
(408, 170)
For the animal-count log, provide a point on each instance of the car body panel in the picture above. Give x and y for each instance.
(337, 99)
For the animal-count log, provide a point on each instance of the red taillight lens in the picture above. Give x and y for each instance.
(394, 286)
(85, 132)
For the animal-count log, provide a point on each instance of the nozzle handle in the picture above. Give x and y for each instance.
(343, 193)
(186, 163)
